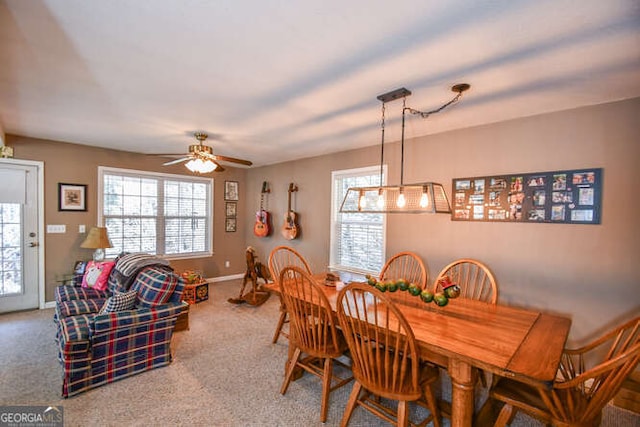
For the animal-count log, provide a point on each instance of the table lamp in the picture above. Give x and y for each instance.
(97, 239)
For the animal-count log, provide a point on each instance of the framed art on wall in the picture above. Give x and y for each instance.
(555, 197)
(230, 225)
(231, 209)
(72, 197)
(231, 190)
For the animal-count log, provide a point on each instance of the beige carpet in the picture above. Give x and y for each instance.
(225, 372)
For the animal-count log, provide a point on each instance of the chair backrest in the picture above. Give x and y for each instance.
(474, 279)
(284, 256)
(381, 343)
(405, 265)
(312, 328)
(580, 393)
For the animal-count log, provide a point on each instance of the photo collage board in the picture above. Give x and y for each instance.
(563, 197)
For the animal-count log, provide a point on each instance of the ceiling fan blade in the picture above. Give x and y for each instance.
(232, 160)
(218, 168)
(174, 162)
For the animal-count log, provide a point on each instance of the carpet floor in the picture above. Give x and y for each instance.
(225, 372)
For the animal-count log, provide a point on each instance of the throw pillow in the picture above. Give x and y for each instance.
(96, 275)
(120, 302)
(155, 285)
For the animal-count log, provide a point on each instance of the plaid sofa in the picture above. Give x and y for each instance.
(98, 348)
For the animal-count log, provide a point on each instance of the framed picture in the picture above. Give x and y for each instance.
(230, 225)
(231, 208)
(72, 197)
(231, 190)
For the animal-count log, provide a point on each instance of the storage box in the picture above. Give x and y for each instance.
(195, 292)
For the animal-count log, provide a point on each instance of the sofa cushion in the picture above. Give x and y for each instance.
(154, 285)
(96, 275)
(120, 302)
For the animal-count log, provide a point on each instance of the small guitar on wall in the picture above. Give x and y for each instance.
(290, 228)
(262, 227)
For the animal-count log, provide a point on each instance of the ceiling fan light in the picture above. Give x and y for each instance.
(201, 166)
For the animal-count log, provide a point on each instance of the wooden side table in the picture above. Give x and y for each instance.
(183, 319)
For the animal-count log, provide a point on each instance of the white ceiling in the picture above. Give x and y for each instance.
(277, 80)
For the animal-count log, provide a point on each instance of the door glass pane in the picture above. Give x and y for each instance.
(10, 249)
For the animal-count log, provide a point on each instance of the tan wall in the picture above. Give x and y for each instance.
(78, 164)
(587, 271)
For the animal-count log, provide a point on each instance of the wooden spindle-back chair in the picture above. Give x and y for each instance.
(312, 332)
(408, 266)
(580, 392)
(385, 357)
(279, 258)
(474, 279)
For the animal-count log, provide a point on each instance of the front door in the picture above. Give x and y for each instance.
(19, 244)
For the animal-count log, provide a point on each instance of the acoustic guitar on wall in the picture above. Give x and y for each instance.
(262, 227)
(290, 228)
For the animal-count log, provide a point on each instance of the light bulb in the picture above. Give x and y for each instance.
(424, 199)
(362, 202)
(401, 202)
(380, 202)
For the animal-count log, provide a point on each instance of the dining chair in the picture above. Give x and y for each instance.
(405, 265)
(312, 332)
(579, 392)
(385, 358)
(476, 282)
(474, 279)
(279, 258)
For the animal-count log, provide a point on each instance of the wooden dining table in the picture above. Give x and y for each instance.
(466, 335)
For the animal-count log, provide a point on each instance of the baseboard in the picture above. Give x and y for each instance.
(49, 304)
(225, 278)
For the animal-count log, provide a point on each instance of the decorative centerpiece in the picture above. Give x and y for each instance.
(450, 290)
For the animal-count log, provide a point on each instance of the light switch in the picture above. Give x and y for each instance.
(82, 228)
(56, 228)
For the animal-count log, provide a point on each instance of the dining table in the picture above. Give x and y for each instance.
(466, 335)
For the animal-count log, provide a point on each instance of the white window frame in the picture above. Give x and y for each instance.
(335, 212)
(162, 176)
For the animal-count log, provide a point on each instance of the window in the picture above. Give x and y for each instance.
(357, 239)
(168, 215)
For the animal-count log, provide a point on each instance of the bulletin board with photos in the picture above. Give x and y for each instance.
(563, 197)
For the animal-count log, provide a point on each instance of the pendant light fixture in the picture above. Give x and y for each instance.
(425, 197)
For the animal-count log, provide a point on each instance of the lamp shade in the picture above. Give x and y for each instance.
(427, 197)
(97, 239)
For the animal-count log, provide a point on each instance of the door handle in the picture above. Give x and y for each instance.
(34, 244)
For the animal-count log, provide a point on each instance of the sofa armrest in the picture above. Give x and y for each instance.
(136, 317)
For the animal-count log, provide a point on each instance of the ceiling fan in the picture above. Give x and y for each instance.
(201, 158)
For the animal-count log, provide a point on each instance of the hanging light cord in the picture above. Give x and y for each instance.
(382, 144)
(404, 107)
(425, 114)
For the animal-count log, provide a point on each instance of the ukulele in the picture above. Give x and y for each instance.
(290, 229)
(261, 228)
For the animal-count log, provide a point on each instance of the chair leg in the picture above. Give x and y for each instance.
(403, 413)
(351, 404)
(505, 416)
(433, 406)
(326, 388)
(281, 322)
(290, 369)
